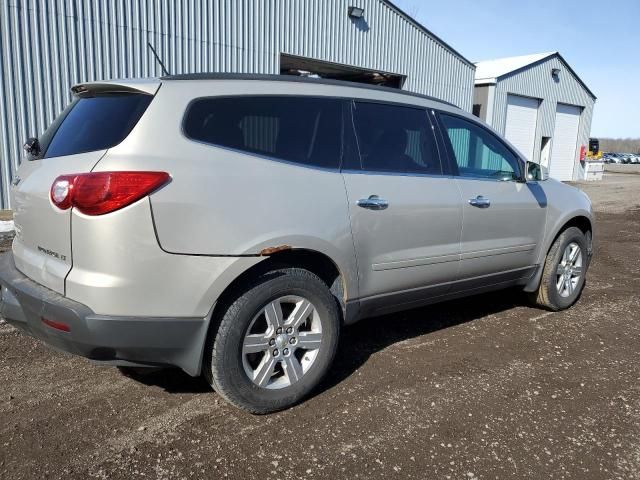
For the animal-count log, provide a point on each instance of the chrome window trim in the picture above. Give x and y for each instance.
(395, 174)
(485, 179)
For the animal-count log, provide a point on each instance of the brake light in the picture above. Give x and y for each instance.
(98, 193)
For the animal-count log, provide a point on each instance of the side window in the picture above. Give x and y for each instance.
(478, 152)
(395, 139)
(297, 129)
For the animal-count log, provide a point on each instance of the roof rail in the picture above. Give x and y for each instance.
(292, 78)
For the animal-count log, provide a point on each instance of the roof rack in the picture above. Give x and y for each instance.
(296, 79)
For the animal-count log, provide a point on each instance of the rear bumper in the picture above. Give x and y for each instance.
(114, 340)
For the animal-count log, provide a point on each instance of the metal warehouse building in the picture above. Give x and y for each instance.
(541, 106)
(46, 46)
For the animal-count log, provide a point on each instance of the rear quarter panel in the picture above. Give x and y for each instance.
(119, 269)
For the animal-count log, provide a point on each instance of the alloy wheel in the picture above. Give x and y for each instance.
(569, 270)
(282, 342)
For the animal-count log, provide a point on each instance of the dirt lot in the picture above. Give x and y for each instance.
(482, 388)
(618, 168)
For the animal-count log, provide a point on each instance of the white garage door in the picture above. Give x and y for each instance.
(520, 129)
(565, 142)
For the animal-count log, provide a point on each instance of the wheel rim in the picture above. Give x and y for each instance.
(569, 270)
(282, 342)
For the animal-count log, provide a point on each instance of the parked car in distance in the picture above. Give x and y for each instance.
(617, 158)
(232, 225)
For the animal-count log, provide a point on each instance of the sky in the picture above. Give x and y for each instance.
(599, 39)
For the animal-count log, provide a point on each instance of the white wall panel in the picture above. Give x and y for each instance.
(565, 142)
(522, 118)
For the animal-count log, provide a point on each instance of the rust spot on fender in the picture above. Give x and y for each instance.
(271, 250)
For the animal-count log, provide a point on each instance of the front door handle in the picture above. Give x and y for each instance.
(374, 202)
(480, 202)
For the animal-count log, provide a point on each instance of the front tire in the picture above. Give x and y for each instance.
(564, 273)
(274, 341)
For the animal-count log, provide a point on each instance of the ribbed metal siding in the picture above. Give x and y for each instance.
(537, 82)
(46, 46)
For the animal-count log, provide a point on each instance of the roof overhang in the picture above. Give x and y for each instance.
(521, 68)
(479, 82)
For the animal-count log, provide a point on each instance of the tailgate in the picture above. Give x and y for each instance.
(42, 245)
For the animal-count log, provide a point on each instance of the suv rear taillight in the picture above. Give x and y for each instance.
(103, 192)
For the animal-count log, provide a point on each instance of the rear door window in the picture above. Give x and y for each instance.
(94, 123)
(394, 138)
(304, 130)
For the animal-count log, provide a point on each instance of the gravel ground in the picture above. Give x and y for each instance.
(616, 194)
(619, 168)
(485, 387)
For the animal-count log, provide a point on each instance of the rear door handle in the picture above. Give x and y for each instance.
(480, 202)
(374, 202)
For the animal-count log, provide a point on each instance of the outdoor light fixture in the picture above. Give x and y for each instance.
(555, 72)
(356, 12)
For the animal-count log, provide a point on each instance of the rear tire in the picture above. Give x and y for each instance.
(564, 273)
(274, 341)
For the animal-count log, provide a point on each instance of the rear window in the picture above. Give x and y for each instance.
(93, 123)
(303, 130)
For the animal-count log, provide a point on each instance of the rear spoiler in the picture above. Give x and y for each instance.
(148, 86)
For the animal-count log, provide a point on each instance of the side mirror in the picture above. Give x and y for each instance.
(536, 172)
(32, 146)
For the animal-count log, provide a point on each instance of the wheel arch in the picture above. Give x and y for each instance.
(584, 222)
(316, 262)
